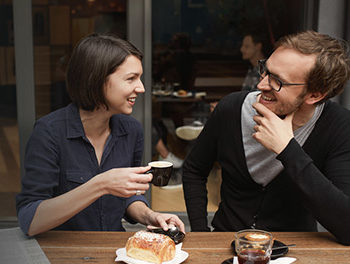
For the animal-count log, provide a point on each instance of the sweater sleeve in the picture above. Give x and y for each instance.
(326, 193)
(196, 169)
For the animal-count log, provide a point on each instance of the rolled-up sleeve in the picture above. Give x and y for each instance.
(41, 174)
(129, 201)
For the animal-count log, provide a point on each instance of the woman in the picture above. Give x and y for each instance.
(81, 161)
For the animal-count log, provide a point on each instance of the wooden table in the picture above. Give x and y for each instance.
(99, 247)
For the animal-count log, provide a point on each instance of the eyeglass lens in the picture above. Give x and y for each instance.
(273, 81)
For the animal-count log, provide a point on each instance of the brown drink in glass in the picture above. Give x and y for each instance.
(253, 256)
(253, 246)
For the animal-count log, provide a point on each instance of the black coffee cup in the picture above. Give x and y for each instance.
(161, 171)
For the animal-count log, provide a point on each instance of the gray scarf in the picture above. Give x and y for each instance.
(265, 170)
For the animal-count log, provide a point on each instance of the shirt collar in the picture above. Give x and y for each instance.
(118, 127)
(75, 127)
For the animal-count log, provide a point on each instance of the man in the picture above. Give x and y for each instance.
(253, 49)
(284, 150)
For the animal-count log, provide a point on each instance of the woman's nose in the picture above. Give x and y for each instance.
(140, 88)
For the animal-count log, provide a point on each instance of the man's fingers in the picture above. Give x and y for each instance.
(257, 119)
(261, 109)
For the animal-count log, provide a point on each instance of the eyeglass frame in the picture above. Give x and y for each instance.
(262, 65)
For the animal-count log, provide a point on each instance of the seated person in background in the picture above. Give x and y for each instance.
(254, 48)
(284, 150)
(159, 134)
(81, 162)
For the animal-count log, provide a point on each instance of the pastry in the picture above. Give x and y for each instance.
(181, 92)
(151, 247)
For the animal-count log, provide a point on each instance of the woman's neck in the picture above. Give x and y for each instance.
(95, 123)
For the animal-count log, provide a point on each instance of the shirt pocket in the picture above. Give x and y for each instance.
(75, 178)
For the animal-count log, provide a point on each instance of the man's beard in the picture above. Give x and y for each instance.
(292, 108)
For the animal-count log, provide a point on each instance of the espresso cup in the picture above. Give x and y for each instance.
(161, 171)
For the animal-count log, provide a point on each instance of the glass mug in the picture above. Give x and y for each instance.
(253, 246)
(161, 171)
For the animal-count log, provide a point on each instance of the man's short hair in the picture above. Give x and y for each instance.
(332, 68)
(262, 38)
(93, 59)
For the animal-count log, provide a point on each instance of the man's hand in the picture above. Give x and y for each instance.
(272, 132)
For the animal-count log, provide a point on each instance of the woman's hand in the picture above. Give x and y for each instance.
(144, 215)
(125, 182)
(165, 221)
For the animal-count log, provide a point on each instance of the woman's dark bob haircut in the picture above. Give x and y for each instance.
(93, 59)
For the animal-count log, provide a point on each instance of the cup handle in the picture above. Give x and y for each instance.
(150, 171)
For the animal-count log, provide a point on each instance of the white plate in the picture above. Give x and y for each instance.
(161, 93)
(282, 260)
(180, 256)
(176, 94)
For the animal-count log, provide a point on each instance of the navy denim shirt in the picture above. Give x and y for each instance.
(59, 157)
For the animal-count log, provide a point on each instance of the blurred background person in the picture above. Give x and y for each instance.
(254, 48)
(159, 144)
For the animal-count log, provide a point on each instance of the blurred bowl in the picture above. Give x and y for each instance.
(188, 132)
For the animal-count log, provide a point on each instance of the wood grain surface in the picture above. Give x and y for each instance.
(100, 247)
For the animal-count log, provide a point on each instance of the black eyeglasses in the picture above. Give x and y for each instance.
(274, 82)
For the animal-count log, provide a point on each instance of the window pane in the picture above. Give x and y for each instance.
(9, 141)
(57, 27)
(197, 60)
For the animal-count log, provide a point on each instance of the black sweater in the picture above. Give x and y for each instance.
(314, 185)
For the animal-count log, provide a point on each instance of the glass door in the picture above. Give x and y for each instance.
(9, 139)
(57, 27)
(196, 60)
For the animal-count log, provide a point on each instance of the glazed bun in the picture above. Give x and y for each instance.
(151, 247)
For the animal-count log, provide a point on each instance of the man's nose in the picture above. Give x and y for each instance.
(264, 83)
